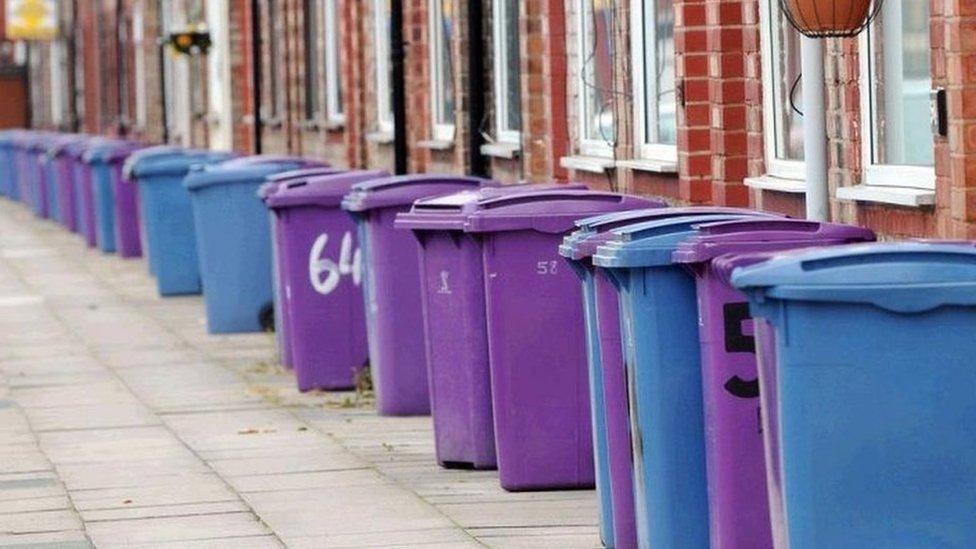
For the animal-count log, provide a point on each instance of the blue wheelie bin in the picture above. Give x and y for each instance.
(167, 214)
(234, 241)
(659, 320)
(608, 387)
(866, 364)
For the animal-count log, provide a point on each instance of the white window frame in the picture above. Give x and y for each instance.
(334, 107)
(57, 75)
(442, 131)
(502, 42)
(587, 146)
(884, 175)
(384, 106)
(643, 45)
(775, 167)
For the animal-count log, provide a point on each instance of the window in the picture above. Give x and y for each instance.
(597, 127)
(655, 98)
(313, 65)
(275, 96)
(384, 89)
(782, 96)
(898, 147)
(508, 112)
(139, 64)
(335, 108)
(441, 68)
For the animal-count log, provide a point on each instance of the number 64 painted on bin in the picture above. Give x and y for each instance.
(349, 263)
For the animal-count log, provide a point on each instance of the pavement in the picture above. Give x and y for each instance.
(123, 424)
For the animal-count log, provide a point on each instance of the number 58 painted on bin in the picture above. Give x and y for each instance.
(349, 262)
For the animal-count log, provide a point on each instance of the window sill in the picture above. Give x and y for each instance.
(648, 165)
(592, 164)
(900, 196)
(334, 125)
(778, 184)
(436, 144)
(508, 151)
(380, 137)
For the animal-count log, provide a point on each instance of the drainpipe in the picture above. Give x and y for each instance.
(397, 55)
(256, 71)
(476, 88)
(161, 30)
(814, 129)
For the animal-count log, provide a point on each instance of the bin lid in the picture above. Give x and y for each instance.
(553, 211)
(239, 171)
(402, 190)
(167, 160)
(275, 181)
(298, 161)
(109, 151)
(907, 277)
(449, 212)
(58, 147)
(753, 235)
(595, 231)
(320, 190)
(652, 243)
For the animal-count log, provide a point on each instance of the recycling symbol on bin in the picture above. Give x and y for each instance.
(324, 273)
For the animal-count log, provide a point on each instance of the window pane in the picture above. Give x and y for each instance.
(443, 69)
(787, 88)
(901, 81)
(597, 73)
(313, 66)
(384, 69)
(660, 99)
(513, 110)
(334, 75)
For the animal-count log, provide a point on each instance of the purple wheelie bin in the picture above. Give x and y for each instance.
(64, 164)
(320, 265)
(271, 185)
(610, 409)
(456, 332)
(128, 233)
(539, 383)
(394, 317)
(734, 455)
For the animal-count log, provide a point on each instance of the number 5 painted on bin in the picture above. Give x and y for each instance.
(736, 341)
(349, 263)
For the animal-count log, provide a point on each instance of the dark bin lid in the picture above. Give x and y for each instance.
(167, 160)
(908, 277)
(235, 171)
(551, 212)
(402, 190)
(275, 181)
(110, 151)
(746, 235)
(449, 212)
(320, 190)
(651, 243)
(595, 231)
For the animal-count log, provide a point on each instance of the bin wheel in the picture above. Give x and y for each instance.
(266, 318)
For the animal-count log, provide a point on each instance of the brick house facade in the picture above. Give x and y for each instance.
(692, 100)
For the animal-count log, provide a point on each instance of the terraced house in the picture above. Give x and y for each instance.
(698, 101)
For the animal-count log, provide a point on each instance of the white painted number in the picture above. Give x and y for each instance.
(545, 268)
(349, 264)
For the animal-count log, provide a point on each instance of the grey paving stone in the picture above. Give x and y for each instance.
(132, 511)
(69, 539)
(124, 533)
(38, 521)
